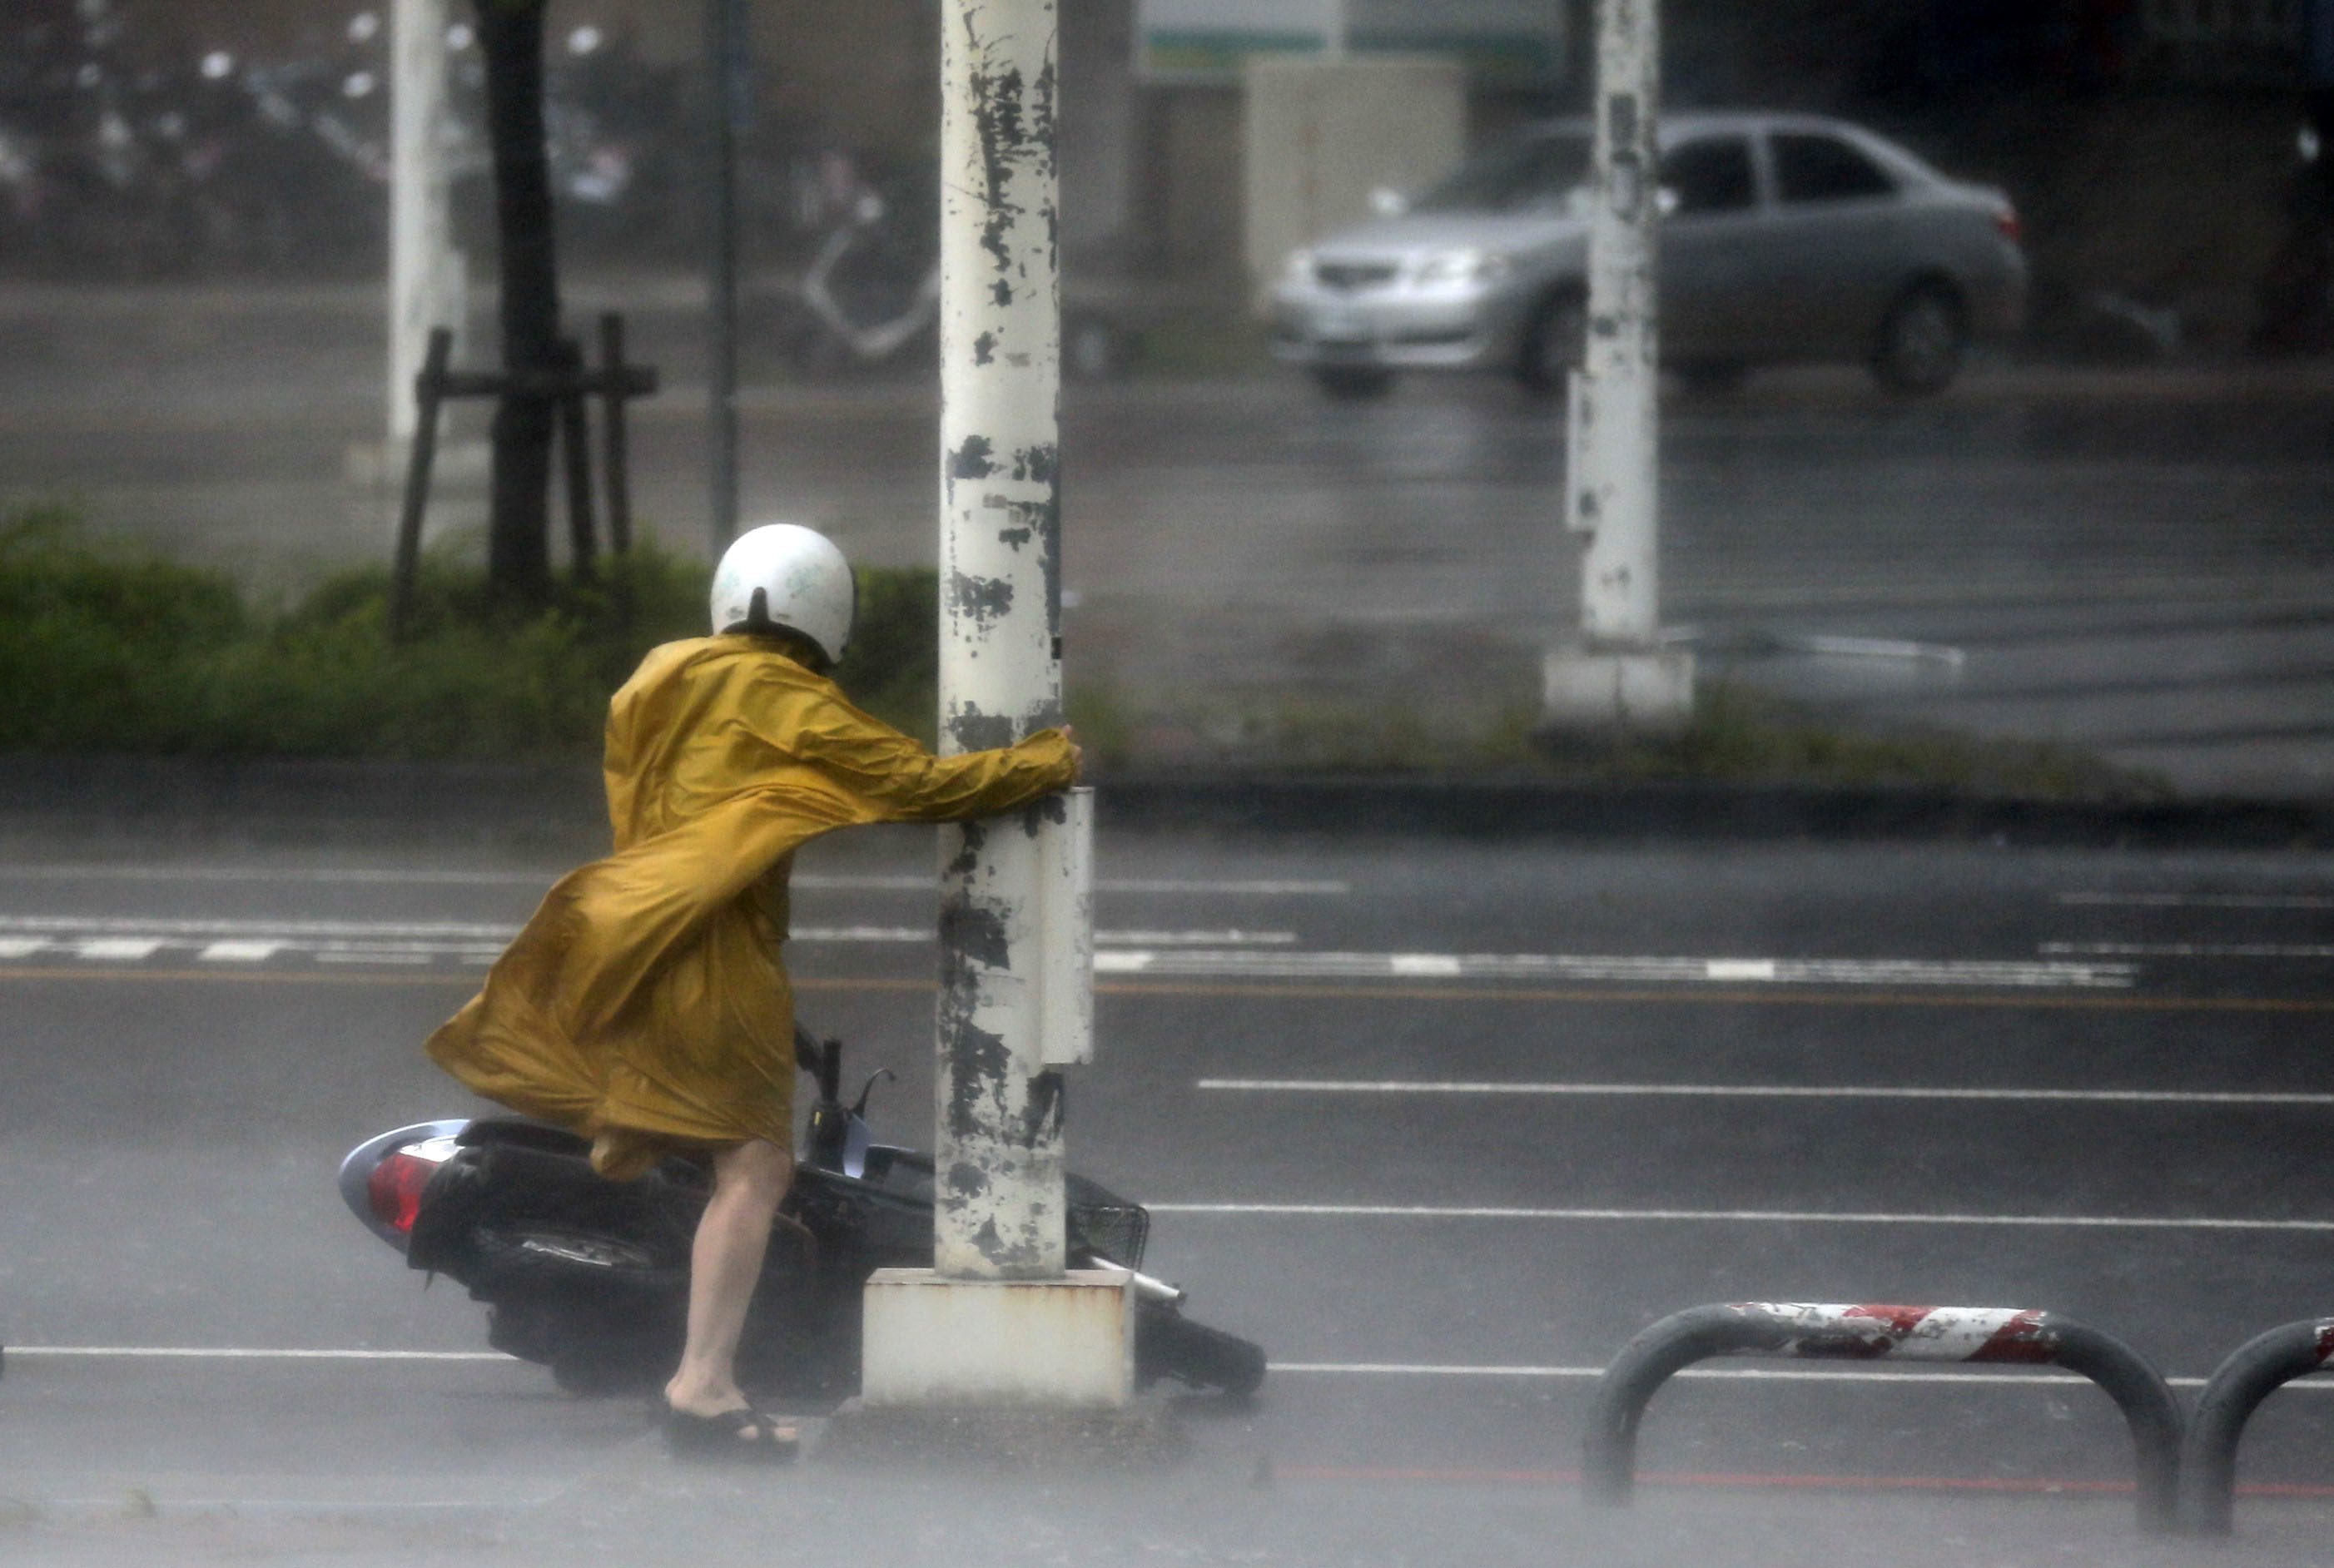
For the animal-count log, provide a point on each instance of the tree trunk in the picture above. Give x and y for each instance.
(518, 535)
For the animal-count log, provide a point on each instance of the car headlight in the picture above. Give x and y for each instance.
(1298, 267)
(1469, 266)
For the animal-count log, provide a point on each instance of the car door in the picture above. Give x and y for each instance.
(1828, 262)
(1710, 202)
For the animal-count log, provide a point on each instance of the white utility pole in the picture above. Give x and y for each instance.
(1000, 622)
(426, 284)
(1617, 673)
(998, 1320)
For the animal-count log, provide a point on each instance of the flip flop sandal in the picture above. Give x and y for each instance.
(743, 1435)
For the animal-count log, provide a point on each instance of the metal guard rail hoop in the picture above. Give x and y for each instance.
(1992, 1336)
(2256, 1370)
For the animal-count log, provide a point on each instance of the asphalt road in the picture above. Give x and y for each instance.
(1440, 1124)
(2136, 563)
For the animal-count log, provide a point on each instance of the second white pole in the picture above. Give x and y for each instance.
(426, 278)
(1617, 485)
(1615, 675)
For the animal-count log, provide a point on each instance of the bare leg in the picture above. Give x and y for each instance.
(724, 1262)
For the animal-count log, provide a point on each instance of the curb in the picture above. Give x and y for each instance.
(561, 804)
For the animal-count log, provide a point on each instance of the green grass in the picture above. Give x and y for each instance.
(103, 650)
(106, 650)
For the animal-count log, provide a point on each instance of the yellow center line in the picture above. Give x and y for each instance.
(1573, 995)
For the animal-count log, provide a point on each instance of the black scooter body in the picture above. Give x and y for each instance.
(590, 1277)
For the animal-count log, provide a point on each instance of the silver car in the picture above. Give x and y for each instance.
(1785, 238)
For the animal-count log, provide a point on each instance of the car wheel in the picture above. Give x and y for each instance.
(1922, 342)
(1555, 343)
(1352, 383)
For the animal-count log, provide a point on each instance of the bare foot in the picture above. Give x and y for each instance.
(705, 1398)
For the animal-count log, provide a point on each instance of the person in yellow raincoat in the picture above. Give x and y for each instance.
(644, 1004)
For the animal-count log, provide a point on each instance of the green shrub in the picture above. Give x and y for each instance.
(101, 650)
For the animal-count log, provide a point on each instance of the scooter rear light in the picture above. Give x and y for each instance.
(394, 1189)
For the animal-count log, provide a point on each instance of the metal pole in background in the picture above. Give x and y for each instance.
(999, 1213)
(426, 279)
(729, 63)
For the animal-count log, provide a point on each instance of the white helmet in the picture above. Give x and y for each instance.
(784, 574)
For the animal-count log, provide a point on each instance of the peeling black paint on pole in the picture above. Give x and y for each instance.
(999, 1213)
(972, 460)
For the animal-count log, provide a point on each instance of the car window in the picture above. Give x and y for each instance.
(1810, 167)
(1543, 172)
(1713, 175)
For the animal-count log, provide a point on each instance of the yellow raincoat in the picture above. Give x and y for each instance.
(644, 1005)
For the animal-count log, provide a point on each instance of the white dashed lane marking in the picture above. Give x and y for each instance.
(1998, 1378)
(1756, 1092)
(2198, 901)
(1722, 1216)
(239, 952)
(117, 950)
(425, 876)
(1617, 968)
(2188, 949)
(1232, 953)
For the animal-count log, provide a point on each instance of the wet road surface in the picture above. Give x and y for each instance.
(1440, 1124)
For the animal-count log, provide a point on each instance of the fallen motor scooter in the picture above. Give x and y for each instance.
(590, 1277)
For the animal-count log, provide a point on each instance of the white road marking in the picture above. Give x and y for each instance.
(239, 1353)
(121, 937)
(1756, 1092)
(2200, 901)
(1440, 966)
(455, 877)
(1723, 1217)
(117, 950)
(1233, 954)
(1261, 887)
(166, 927)
(1978, 1377)
(355, 876)
(1995, 1377)
(239, 952)
(2190, 949)
(2020, 974)
(1230, 938)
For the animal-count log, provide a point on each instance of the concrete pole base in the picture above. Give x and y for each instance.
(1063, 1344)
(1016, 1374)
(1606, 691)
